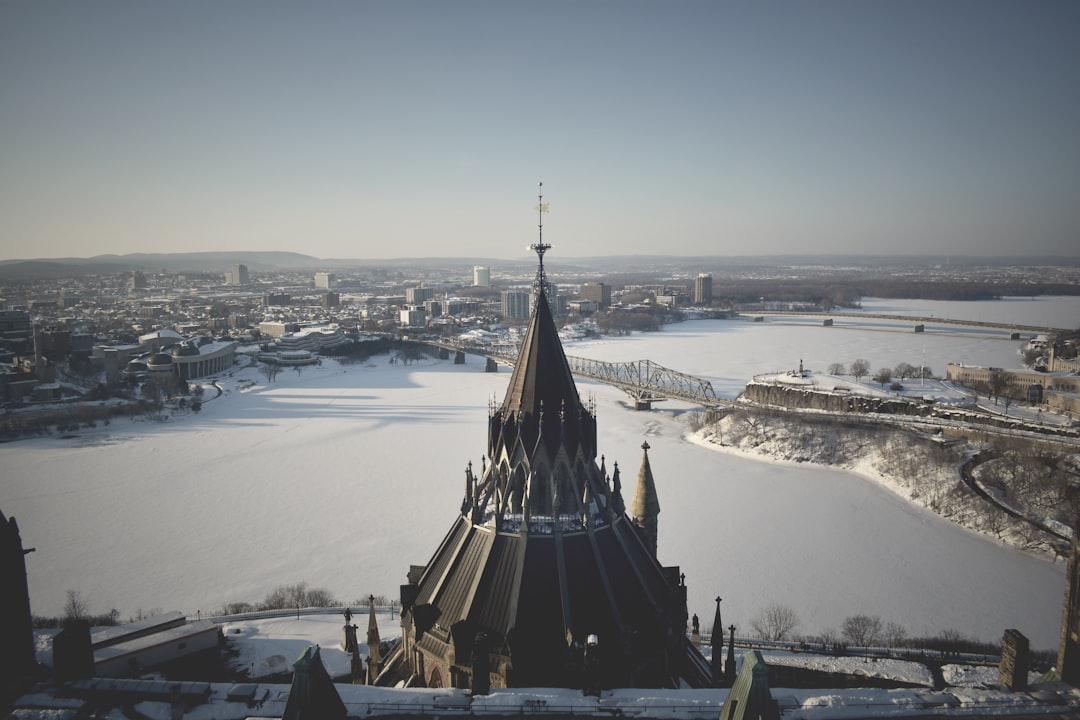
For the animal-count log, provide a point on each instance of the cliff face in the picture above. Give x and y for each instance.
(918, 468)
(797, 398)
(832, 401)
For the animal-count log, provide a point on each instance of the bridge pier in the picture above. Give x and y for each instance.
(643, 404)
(459, 357)
(444, 354)
(491, 366)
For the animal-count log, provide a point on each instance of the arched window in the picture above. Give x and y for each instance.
(566, 492)
(540, 491)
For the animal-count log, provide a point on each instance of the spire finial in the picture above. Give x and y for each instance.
(540, 247)
(645, 446)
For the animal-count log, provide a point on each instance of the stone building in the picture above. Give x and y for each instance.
(16, 629)
(543, 579)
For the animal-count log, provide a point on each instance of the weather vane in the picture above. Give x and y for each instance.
(540, 247)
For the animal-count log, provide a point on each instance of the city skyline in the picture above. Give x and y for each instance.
(420, 129)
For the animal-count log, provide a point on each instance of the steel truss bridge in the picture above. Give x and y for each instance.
(643, 380)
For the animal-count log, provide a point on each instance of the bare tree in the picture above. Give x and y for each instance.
(905, 370)
(775, 622)
(895, 634)
(75, 608)
(883, 376)
(296, 596)
(997, 383)
(861, 630)
(1007, 398)
(751, 424)
(860, 369)
(270, 371)
(837, 368)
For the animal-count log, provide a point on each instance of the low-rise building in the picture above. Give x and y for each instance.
(315, 339)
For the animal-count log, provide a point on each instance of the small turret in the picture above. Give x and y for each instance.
(374, 654)
(717, 643)
(645, 507)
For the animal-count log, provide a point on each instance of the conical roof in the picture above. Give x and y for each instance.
(542, 377)
(646, 503)
(542, 411)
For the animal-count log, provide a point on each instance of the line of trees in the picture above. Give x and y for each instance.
(297, 595)
(282, 597)
(778, 622)
(860, 368)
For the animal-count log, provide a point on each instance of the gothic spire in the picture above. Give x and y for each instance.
(645, 506)
(541, 373)
(717, 643)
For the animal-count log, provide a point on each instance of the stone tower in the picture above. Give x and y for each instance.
(542, 579)
(16, 627)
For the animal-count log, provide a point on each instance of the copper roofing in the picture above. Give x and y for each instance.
(645, 502)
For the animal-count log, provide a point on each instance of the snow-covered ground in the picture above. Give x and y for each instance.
(904, 671)
(269, 646)
(342, 476)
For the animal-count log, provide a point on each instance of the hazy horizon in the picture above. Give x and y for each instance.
(383, 130)
(530, 257)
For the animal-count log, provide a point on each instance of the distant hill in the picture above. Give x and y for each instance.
(155, 262)
(256, 261)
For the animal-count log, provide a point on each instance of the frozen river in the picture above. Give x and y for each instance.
(343, 476)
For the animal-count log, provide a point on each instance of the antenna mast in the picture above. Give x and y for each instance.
(540, 247)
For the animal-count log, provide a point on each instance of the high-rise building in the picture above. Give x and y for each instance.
(417, 295)
(516, 304)
(598, 292)
(703, 289)
(481, 276)
(325, 280)
(238, 276)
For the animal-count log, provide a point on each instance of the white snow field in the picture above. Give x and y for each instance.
(343, 476)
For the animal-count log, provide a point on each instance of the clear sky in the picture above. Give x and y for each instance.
(373, 129)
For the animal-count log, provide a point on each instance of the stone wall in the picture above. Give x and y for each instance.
(1064, 403)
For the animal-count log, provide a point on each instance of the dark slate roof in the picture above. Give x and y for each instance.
(529, 591)
(541, 374)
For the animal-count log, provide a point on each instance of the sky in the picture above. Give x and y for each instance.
(373, 129)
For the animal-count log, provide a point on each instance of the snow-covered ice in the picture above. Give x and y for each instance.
(343, 476)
